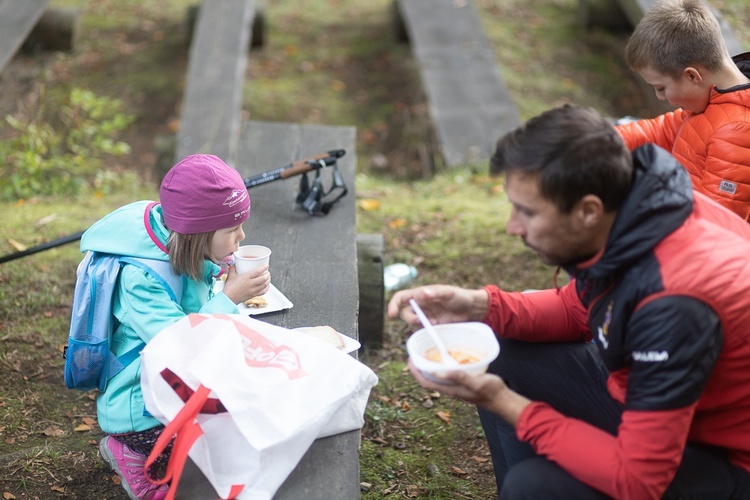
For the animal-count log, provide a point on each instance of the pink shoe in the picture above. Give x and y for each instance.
(128, 464)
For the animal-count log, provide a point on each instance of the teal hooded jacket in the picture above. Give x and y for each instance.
(142, 305)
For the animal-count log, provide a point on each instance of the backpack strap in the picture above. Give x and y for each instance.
(162, 272)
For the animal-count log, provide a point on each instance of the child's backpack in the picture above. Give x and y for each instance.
(89, 361)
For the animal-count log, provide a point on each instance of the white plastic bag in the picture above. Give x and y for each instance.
(275, 390)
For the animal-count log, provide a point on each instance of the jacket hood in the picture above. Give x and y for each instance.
(135, 230)
(660, 200)
(743, 63)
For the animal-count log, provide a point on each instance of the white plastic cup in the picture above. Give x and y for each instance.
(477, 340)
(249, 257)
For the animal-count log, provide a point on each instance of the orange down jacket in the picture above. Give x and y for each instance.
(714, 146)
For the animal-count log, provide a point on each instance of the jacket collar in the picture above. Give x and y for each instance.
(659, 202)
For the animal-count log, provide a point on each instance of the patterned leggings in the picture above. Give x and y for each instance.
(143, 442)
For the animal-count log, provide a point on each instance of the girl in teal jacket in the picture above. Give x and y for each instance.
(196, 226)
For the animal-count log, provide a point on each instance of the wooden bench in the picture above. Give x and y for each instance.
(31, 25)
(469, 104)
(210, 118)
(314, 263)
(17, 19)
(315, 258)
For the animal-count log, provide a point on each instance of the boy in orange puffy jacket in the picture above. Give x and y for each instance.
(678, 49)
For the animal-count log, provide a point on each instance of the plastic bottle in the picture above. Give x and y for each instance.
(398, 276)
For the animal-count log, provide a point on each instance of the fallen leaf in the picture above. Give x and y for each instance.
(58, 489)
(397, 223)
(9, 496)
(88, 420)
(82, 428)
(53, 431)
(445, 416)
(405, 406)
(45, 220)
(19, 247)
(458, 471)
(338, 86)
(480, 460)
(369, 205)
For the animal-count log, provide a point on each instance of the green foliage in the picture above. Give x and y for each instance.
(42, 159)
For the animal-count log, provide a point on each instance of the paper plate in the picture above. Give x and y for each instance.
(350, 345)
(277, 301)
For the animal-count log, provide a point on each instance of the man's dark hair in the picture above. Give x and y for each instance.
(574, 151)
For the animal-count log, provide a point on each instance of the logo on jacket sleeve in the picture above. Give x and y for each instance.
(728, 187)
(603, 330)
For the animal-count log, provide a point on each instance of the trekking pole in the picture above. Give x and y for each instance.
(44, 246)
(295, 168)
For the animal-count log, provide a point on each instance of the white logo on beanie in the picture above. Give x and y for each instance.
(239, 215)
(237, 196)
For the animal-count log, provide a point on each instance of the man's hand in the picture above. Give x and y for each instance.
(487, 390)
(440, 303)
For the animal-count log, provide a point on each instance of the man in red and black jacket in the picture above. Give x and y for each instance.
(658, 405)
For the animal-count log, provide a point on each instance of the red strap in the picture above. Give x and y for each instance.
(212, 405)
(185, 431)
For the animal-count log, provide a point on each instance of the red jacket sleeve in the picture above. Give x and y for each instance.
(638, 463)
(661, 130)
(554, 315)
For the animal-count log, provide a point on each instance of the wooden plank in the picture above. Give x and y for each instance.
(311, 254)
(314, 263)
(210, 118)
(17, 19)
(370, 257)
(469, 102)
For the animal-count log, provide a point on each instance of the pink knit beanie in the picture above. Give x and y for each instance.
(202, 194)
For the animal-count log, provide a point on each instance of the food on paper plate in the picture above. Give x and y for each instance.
(326, 334)
(256, 302)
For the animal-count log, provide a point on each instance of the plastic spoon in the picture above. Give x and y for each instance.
(445, 356)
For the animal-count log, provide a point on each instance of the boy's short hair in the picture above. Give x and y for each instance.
(574, 151)
(675, 34)
(187, 253)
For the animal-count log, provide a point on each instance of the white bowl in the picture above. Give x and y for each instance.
(473, 338)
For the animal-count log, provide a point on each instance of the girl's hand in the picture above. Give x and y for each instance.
(242, 287)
